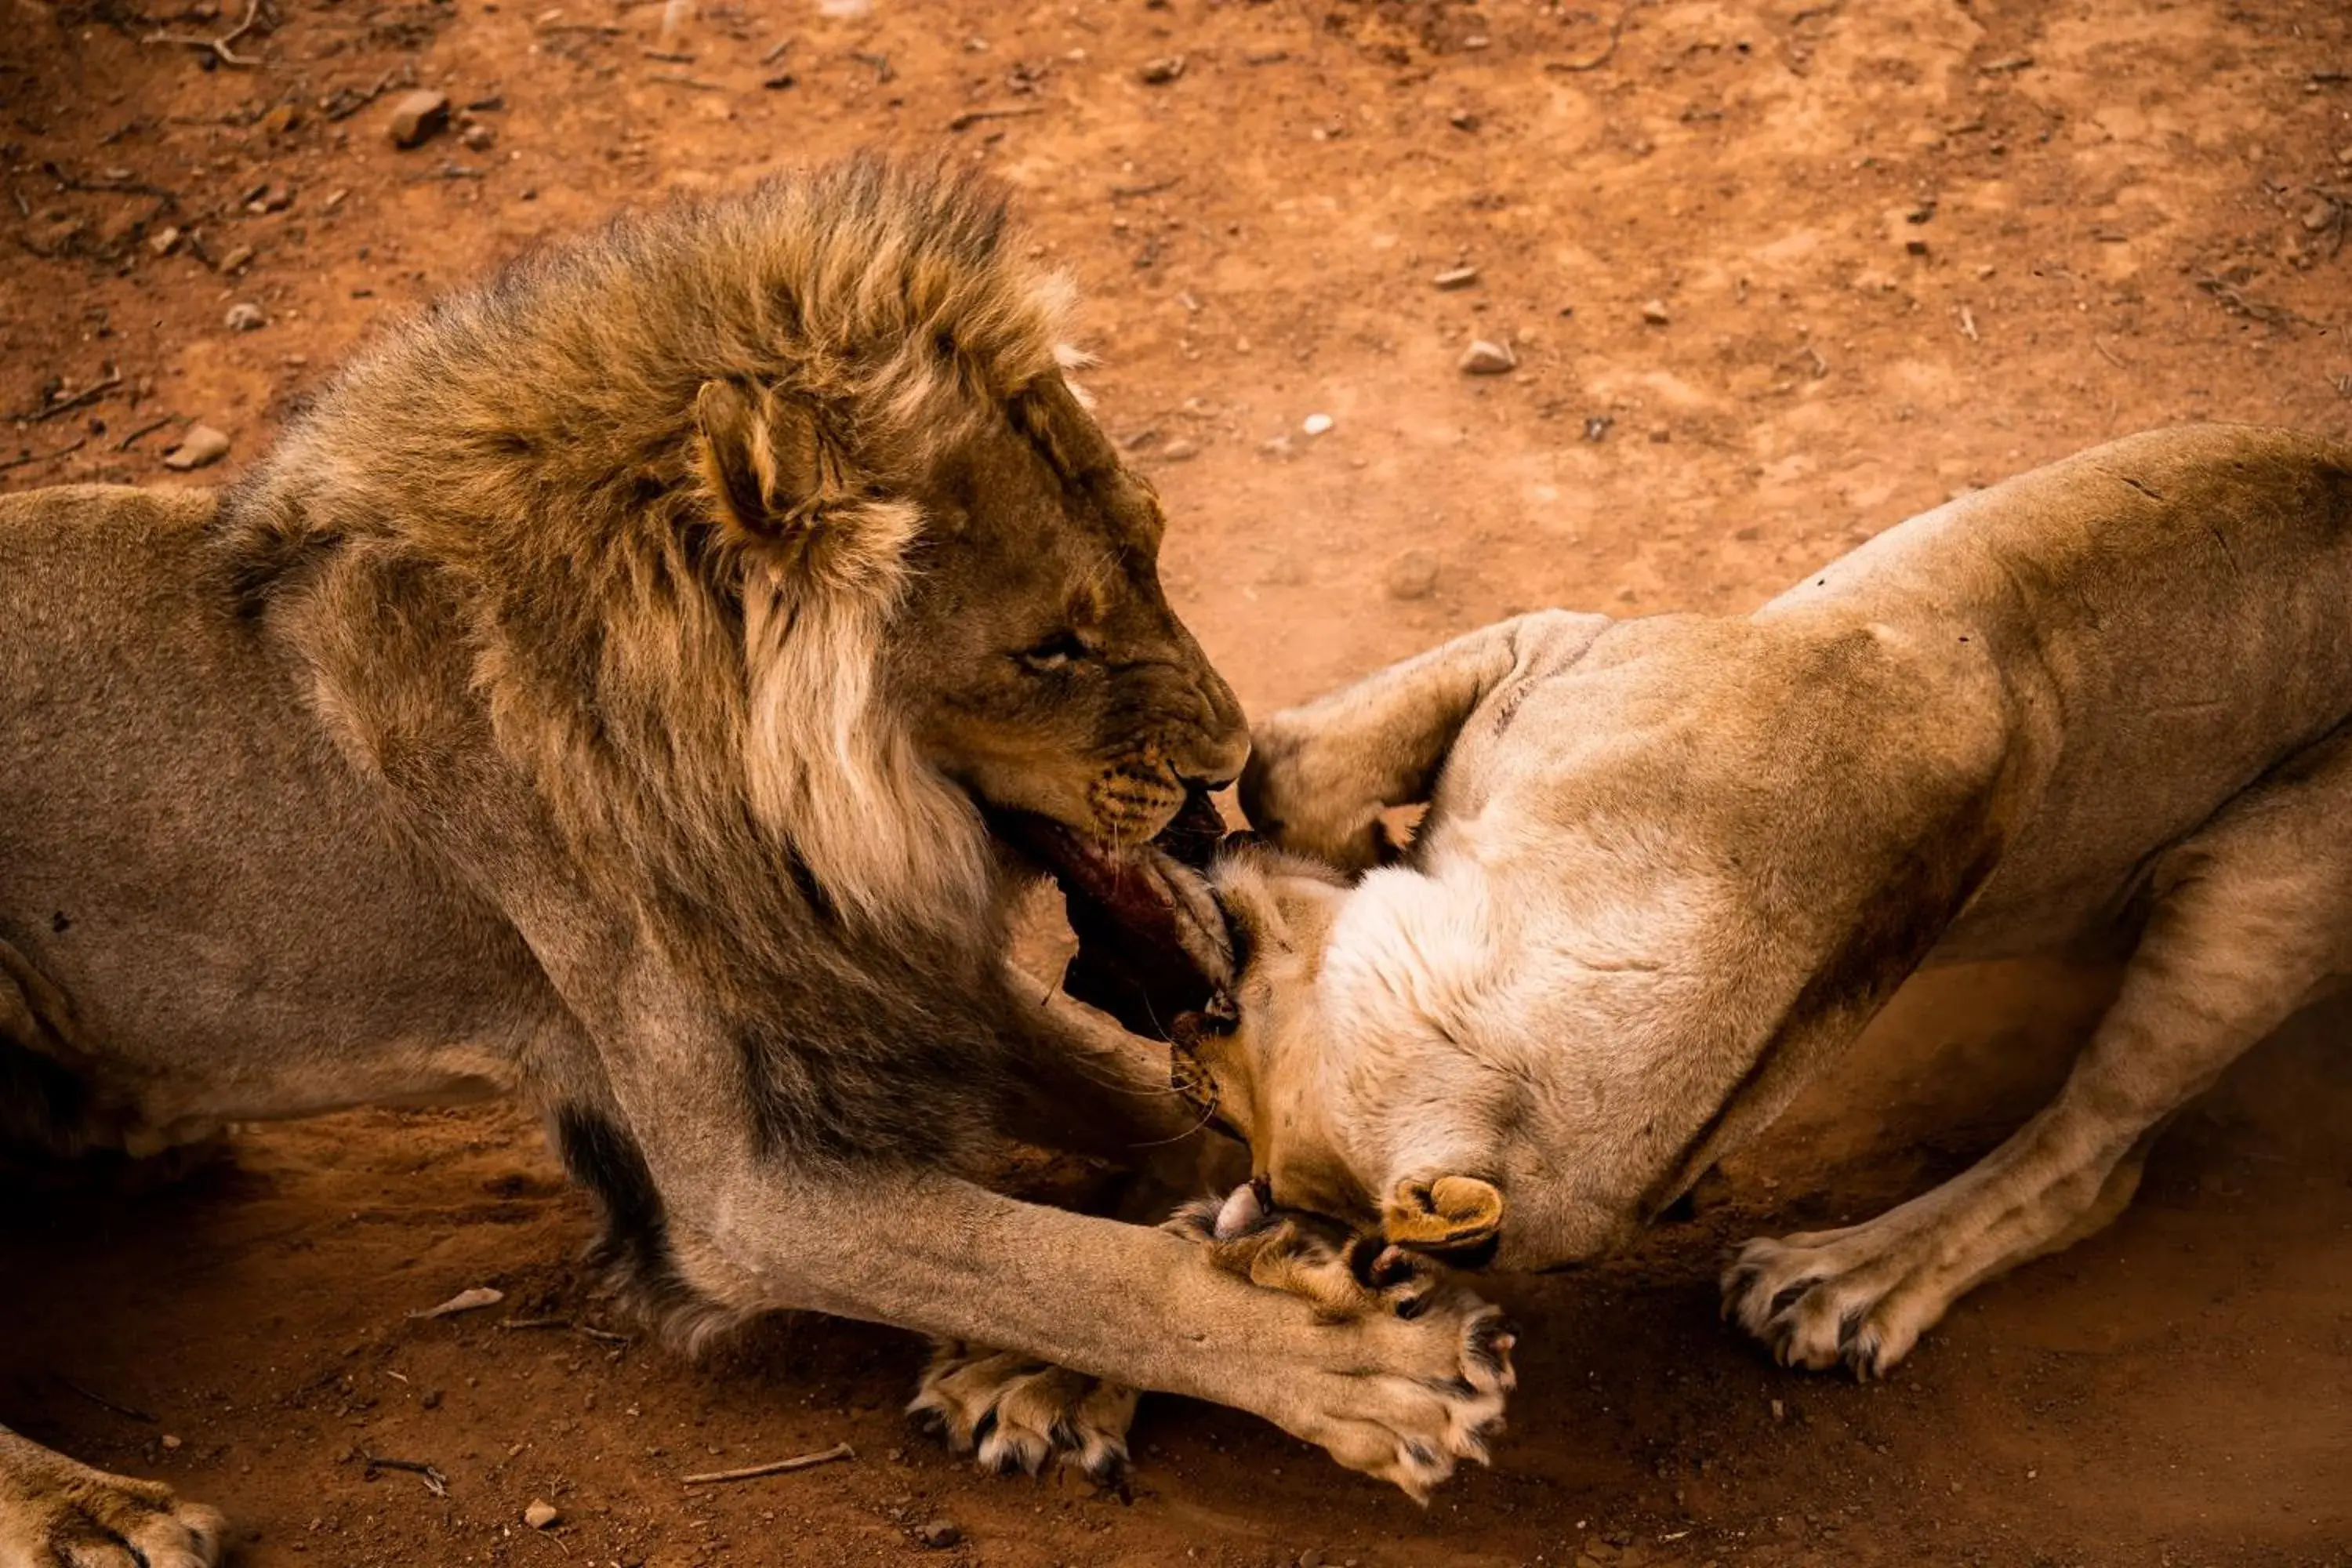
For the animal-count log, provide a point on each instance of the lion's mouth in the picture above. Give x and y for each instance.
(1152, 941)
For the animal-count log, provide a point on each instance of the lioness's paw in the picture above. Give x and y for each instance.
(55, 1513)
(1306, 792)
(1344, 1273)
(1016, 1412)
(1847, 1296)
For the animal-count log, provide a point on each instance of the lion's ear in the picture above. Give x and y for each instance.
(1050, 413)
(1459, 1217)
(769, 470)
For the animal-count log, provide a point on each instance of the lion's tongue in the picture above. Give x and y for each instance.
(1151, 943)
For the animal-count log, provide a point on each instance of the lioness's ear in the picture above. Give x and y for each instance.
(765, 460)
(1453, 1215)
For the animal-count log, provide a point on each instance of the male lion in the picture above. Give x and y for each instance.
(596, 696)
(1672, 866)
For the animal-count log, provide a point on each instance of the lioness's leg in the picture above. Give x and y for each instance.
(2251, 917)
(1320, 774)
(55, 1513)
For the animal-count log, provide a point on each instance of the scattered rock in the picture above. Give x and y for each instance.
(1312, 1558)
(200, 445)
(2319, 215)
(937, 1533)
(281, 119)
(1316, 423)
(1411, 575)
(418, 116)
(430, 1399)
(1596, 427)
(1180, 450)
(1456, 277)
(543, 1514)
(244, 316)
(237, 259)
(171, 1442)
(270, 199)
(1915, 246)
(2343, 154)
(1660, 434)
(1654, 312)
(163, 241)
(1161, 71)
(1485, 358)
(844, 10)
(479, 138)
(1463, 119)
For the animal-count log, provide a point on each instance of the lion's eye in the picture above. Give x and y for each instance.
(1056, 652)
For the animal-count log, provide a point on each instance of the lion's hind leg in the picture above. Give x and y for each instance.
(2252, 916)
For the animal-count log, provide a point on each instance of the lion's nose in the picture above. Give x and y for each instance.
(1224, 745)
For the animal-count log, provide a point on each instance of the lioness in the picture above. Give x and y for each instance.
(1671, 866)
(597, 696)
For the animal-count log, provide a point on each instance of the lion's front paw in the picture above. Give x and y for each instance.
(1848, 1296)
(55, 1513)
(1413, 1375)
(1409, 1400)
(1017, 1411)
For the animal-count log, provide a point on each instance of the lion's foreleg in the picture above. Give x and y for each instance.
(1320, 774)
(57, 1513)
(2252, 916)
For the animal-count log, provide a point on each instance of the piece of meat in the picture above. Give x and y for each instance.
(1152, 941)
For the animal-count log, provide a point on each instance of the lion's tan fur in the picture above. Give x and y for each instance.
(535, 442)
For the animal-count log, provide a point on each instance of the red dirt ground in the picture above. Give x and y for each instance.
(2130, 214)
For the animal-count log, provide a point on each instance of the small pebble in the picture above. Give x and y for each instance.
(1654, 312)
(200, 445)
(1312, 1558)
(244, 316)
(1463, 119)
(1180, 450)
(417, 116)
(1411, 575)
(2343, 154)
(1596, 427)
(164, 240)
(1161, 71)
(1456, 277)
(937, 1533)
(1915, 247)
(1485, 358)
(480, 138)
(236, 258)
(170, 1441)
(541, 1514)
(1316, 423)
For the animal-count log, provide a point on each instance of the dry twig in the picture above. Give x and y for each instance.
(220, 46)
(971, 117)
(775, 1467)
(1616, 31)
(88, 395)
